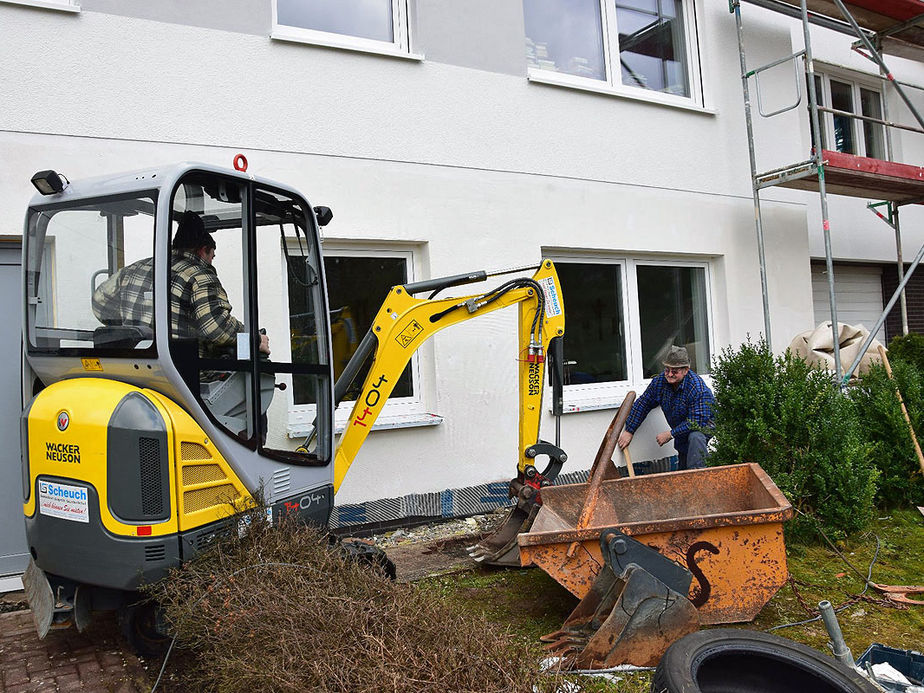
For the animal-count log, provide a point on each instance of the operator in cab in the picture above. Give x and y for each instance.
(686, 402)
(199, 306)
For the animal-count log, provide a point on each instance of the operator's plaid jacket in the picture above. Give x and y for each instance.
(126, 298)
(199, 306)
(690, 403)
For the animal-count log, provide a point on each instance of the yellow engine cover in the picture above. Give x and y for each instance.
(67, 427)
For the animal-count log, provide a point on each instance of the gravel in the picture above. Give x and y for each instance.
(454, 528)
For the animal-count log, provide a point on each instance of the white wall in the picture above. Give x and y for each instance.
(481, 169)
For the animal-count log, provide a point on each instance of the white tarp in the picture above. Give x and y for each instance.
(816, 346)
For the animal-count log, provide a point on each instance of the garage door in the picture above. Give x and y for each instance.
(13, 550)
(858, 291)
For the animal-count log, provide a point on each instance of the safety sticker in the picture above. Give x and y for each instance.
(64, 501)
(91, 365)
(552, 300)
(409, 334)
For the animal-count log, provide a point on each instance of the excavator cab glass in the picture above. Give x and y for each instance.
(89, 277)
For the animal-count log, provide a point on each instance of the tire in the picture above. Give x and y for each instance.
(740, 661)
(140, 624)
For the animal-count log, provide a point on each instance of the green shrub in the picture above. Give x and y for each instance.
(908, 348)
(883, 425)
(794, 421)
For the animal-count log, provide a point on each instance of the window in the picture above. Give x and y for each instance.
(89, 275)
(622, 316)
(850, 135)
(63, 5)
(357, 282)
(372, 25)
(628, 46)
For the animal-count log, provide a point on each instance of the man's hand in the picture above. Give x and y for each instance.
(264, 344)
(662, 438)
(624, 439)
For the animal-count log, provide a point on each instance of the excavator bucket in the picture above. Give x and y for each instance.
(500, 548)
(633, 612)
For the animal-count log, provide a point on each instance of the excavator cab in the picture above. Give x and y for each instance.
(154, 407)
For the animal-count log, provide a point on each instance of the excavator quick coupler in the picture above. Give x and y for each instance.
(636, 607)
(500, 548)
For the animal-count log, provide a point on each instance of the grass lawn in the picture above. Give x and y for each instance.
(530, 603)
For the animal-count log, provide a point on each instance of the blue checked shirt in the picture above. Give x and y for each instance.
(690, 403)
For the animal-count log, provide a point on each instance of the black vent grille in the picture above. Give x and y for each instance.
(152, 492)
(155, 553)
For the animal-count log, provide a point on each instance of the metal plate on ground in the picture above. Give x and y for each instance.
(40, 596)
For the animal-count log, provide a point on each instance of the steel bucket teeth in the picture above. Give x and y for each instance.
(500, 547)
(627, 619)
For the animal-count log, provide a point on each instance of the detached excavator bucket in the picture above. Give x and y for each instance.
(633, 612)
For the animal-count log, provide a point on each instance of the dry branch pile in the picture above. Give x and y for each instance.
(279, 609)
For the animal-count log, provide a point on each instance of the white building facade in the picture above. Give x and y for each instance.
(449, 136)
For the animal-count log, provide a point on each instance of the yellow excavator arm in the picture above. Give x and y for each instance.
(404, 323)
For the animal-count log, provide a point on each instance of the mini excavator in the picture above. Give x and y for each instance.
(139, 441)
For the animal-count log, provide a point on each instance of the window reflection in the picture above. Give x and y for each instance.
(595, 342)
(872, 132)
(370, 19)
(565, 36)
(652, 51)
(842, 100)
(356, 287)
(672, 310)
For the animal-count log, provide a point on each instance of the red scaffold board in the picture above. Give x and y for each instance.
(873, 179)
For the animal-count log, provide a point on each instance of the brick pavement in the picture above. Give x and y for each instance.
(66, 660)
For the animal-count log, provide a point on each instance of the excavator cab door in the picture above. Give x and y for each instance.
(242, 389)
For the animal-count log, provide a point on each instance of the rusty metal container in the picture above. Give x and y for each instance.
(725, 524)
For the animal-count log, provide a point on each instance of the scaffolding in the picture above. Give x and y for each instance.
(894, 27)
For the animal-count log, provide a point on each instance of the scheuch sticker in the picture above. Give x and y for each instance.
(552, 301)
(64, 501)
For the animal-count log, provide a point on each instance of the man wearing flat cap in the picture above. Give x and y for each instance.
(686, 401)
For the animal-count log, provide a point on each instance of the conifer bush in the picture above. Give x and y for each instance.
(883, 424)
(908, 348)
(796, 423)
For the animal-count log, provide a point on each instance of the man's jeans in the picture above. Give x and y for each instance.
(695, 455)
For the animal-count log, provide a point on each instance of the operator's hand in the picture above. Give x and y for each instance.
(662, 438)
(624, 439)
(264, 344)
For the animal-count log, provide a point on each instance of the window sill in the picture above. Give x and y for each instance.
(577, 402)
(345, 44)
(45, 5)
(383, 423)
(578, 405)
(555, 79)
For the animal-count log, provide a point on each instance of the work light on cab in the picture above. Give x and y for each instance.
(49, 182)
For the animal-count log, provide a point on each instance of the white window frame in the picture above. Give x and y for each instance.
(591, 396)
(398, 412)
(399, 48)
(692, 9)
(60, 5)
(856, 80)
